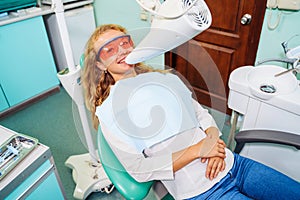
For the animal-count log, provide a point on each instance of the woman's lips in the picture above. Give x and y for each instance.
(122, 60)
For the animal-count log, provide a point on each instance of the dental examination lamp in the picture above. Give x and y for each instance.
(174, 23)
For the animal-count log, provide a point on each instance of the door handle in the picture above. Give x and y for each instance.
(246, 19)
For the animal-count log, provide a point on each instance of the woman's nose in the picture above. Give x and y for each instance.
(124, 51)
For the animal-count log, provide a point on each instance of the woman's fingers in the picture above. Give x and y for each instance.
(212, 147)
(222, 143)
(214, 167)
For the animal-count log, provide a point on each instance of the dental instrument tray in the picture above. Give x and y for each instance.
(13, 150)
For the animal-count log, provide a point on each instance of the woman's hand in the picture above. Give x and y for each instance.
(204, 149)
(211, 147)
(215, 165)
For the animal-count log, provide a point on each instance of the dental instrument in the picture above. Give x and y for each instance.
(13, 150)
(296, 69)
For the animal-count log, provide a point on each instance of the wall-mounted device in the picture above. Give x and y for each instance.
(284, 4)
(288, 4)
(280, 5)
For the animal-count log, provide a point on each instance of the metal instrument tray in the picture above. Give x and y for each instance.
(13, 150)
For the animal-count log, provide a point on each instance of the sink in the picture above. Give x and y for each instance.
(264, 85)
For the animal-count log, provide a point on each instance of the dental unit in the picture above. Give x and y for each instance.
(266, 97)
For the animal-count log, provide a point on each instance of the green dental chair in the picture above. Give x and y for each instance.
(124, 183)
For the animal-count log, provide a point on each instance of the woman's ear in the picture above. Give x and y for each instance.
(101, 66)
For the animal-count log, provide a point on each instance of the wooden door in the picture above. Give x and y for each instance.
(207, 60)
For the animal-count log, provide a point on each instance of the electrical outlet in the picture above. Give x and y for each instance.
(143, 16)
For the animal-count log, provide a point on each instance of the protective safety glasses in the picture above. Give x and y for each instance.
(112, 47)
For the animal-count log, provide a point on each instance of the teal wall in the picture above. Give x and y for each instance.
(123, 12)
(270, 40)
(127, 14)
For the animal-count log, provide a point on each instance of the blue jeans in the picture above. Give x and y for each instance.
(252, 180)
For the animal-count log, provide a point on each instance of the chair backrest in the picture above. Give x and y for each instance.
(125, 184)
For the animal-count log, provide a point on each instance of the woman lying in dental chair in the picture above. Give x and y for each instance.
(187, 155)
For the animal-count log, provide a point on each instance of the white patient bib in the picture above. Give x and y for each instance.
(148, 109)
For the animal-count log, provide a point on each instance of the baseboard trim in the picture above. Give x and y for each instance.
(28, 102)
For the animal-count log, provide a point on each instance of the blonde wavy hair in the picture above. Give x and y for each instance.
(96, 82)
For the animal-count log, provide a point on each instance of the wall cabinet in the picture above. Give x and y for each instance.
(27, 66)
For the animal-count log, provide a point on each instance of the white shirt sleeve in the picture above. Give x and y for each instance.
(140, 167)
(204, 118)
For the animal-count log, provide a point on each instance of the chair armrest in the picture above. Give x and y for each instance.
(266, 136)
